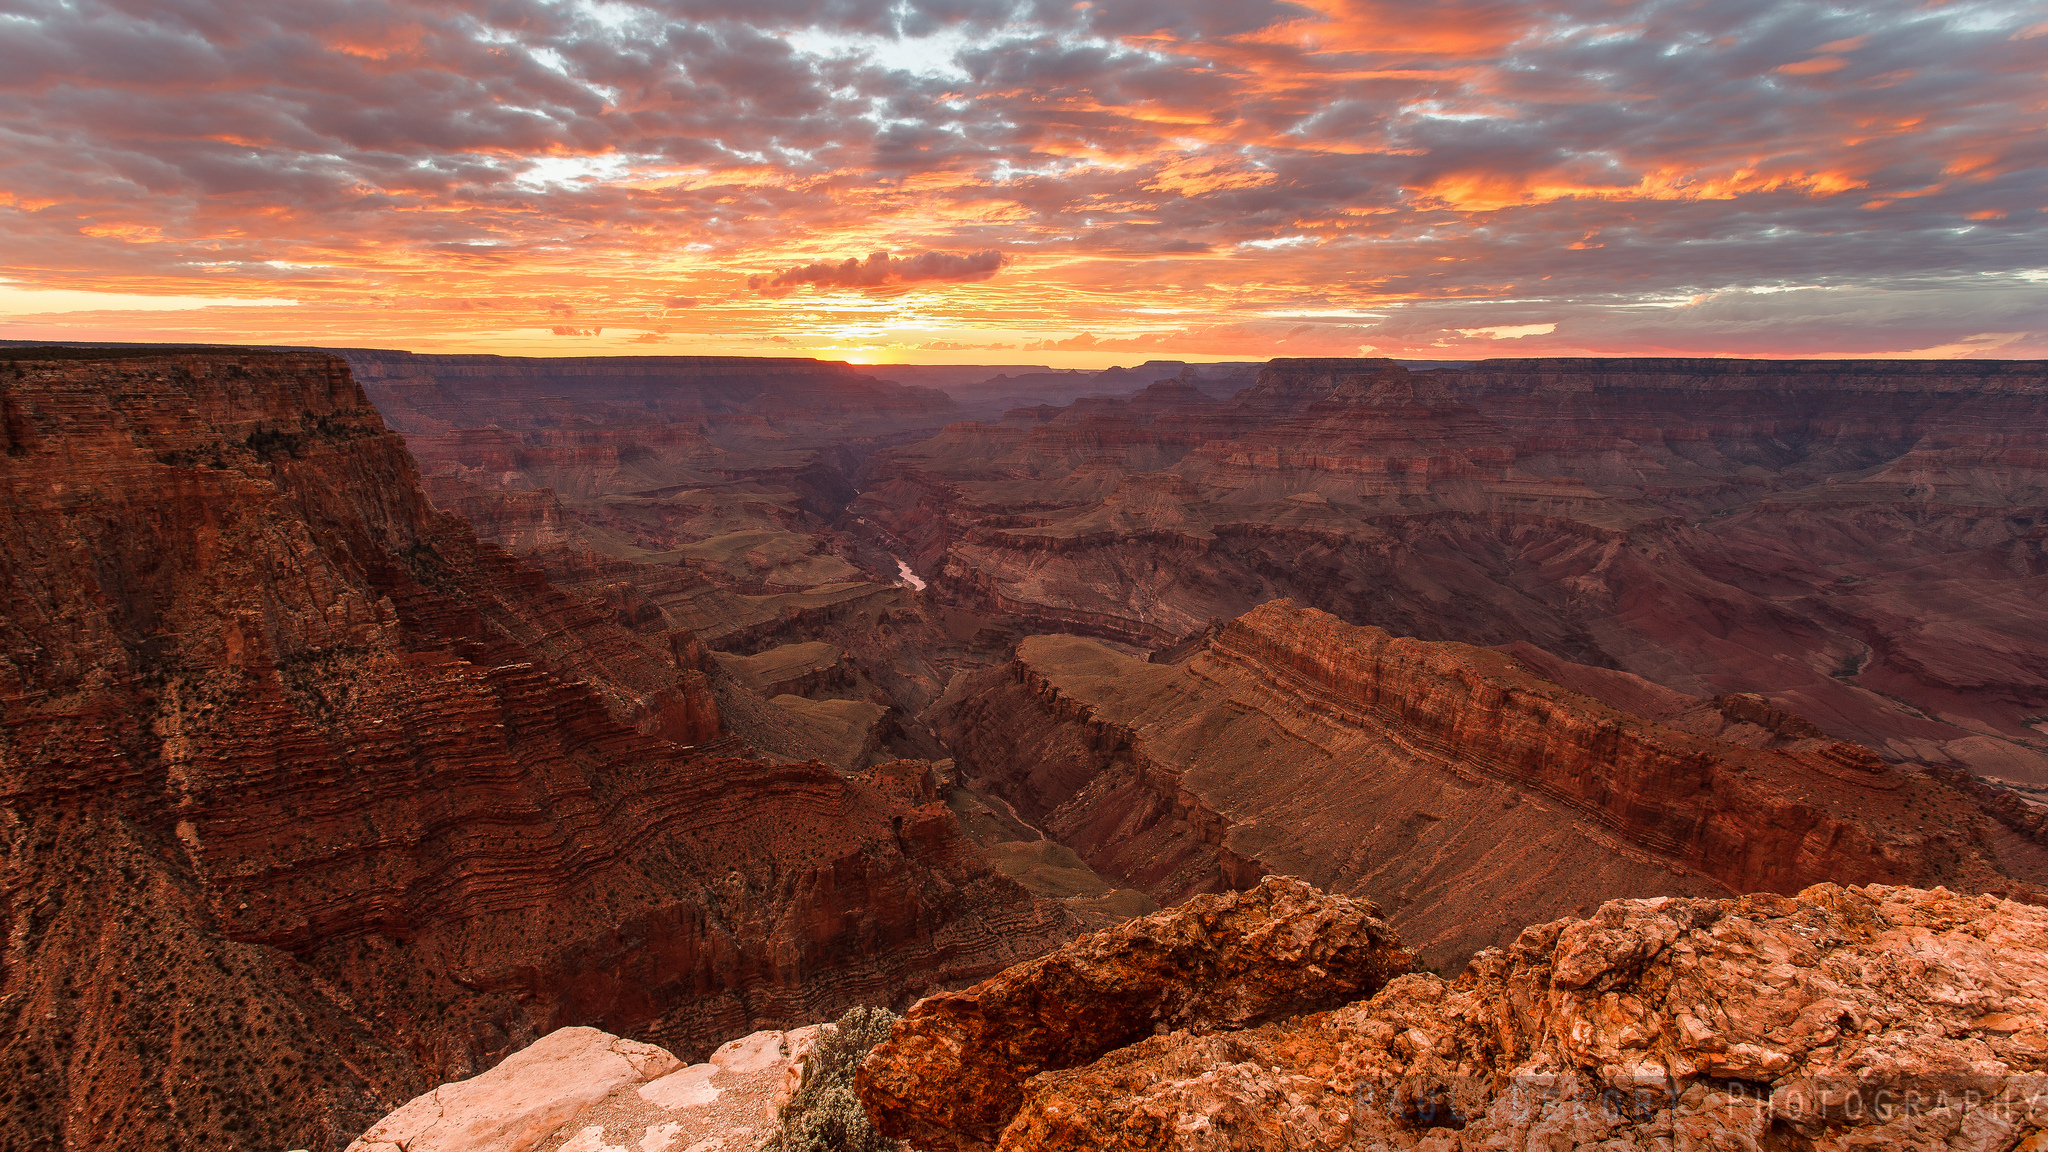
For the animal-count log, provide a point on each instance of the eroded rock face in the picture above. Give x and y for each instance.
(951, 1073)
(312, 801)
(1841, 1018)
(645, 452)
(1836, 536)
(1452, 784)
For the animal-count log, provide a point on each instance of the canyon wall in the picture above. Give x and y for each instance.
(1861, 542)
(1462, 791)
(639, 454)
(312, 800)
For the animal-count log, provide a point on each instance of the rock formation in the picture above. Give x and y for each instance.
(1860, 542)
(1842, 1018)
(1449, 783)
(638, 454)
(524, 1100)
(311, 800)
(952, 1072)
(582, 1090)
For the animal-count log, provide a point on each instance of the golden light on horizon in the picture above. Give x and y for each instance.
(1079, 188)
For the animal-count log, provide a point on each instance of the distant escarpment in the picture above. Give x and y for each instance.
(1859, 542)
(1449, 783)
(1840, 1018)
(640, 454)
(312, 801)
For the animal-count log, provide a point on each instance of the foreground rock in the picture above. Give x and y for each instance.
(1842, 1018)
(952, 1071)
(582, 1090)
(522, 1101)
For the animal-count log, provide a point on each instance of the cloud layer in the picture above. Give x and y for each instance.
(1229, 178)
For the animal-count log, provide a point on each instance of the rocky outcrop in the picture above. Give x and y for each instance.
(313, 801)
(1841, 1018)
(1855, 541)
(582, 1090)
(953, 1071)
(1449, 783)
(524, 1100)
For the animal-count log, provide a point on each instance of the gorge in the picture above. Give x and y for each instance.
(365, 717)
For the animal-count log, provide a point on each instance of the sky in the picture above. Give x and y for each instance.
(1012, 181)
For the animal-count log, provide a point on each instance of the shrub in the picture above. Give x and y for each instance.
(824, 1115)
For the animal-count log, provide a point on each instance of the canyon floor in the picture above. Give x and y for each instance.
(368, 718)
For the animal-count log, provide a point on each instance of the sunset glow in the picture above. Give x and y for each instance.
(1074, 184)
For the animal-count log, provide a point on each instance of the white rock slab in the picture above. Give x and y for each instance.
(689, 1088)
(524, 1100)
(755, 1052)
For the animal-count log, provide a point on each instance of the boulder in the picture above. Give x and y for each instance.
(524, 1100)
(953, 1070)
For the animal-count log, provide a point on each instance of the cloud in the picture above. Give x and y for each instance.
(1160, 177)
(1257, 340)
(881, 268)
(1510, 331)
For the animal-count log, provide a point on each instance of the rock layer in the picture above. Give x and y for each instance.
(1860, 542)
(952, 1071)
(1449, 783)
(312, 800)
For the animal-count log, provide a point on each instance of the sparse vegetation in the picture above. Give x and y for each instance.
(824, 1115)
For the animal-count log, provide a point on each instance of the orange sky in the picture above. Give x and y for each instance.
(1070, 184)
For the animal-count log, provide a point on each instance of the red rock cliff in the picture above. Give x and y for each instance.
(1447, 782)
(310, 801)
(1861, 542)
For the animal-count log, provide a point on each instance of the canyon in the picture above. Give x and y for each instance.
(365, 718)
(1861, 542)
(1454, 785)
(313, 800)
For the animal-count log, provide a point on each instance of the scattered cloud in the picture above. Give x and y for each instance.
(882, 268)
(1159, 179)
(1509, 331)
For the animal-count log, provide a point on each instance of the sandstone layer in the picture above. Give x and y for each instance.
(1451, 784)
(1842, 1018)
(952, 1072)
(312, 800)
(1860, 542)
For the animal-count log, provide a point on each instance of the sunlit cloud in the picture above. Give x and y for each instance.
(943, 179)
